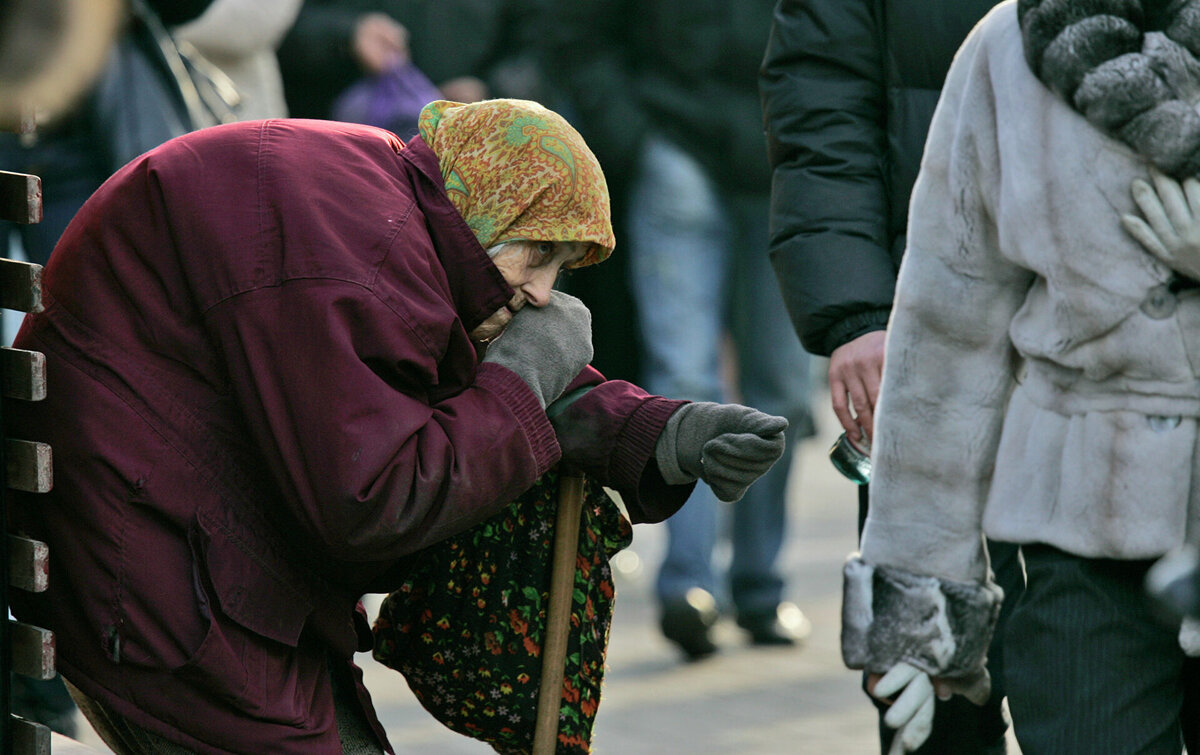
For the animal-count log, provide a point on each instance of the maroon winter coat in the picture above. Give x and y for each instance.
(261, 394)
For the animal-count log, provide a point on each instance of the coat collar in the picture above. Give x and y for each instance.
(1129, 66)
(476, 285)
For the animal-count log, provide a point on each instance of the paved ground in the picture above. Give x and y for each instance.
(743, 700)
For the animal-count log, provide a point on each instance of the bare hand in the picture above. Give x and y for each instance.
(380, 42)
(855, 369)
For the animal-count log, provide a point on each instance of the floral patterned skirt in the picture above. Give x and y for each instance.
(467, 626)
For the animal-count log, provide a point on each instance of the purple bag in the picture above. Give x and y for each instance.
(392, 100)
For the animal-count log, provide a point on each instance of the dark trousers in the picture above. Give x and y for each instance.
(959, 726)
(1091, 668)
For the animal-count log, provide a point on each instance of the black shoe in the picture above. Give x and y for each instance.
(786, 625)
(688, 621)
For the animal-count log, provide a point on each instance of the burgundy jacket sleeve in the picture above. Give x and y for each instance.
(609, 433)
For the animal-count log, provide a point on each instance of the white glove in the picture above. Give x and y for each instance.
(912, 712)
(1171, 228)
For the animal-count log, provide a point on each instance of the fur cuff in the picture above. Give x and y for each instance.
(890, 615)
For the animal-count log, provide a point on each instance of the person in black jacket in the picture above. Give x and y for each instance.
(848, 91)
(666, 94)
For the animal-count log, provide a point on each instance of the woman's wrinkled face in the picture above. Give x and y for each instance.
(531, 268)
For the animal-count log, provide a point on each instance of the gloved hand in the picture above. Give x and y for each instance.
(977, 687)
(911, 714)
(727, 445)
(1171, 228)
(546, 346)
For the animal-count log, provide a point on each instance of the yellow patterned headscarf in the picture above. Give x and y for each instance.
(519, 172)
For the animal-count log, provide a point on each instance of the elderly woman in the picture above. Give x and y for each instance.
(1042, 383)
(268, 346)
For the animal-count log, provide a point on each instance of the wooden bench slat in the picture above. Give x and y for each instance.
(28, 564)
(22, 374)
(20, 197)
(32, 650)
(29, 465)
(20, 285)
(30, 737)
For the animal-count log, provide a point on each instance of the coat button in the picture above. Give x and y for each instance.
(1160, 303)
(1160, 424)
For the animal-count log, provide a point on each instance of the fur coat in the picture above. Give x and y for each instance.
(1041, 381)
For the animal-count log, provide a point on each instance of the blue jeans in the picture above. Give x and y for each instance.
(700, 271)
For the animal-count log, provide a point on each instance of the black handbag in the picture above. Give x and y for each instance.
(154, 89)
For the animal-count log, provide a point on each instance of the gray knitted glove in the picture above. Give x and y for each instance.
(729, 446)
(546, 346)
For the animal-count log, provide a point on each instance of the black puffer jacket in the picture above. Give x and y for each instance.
(848, 90)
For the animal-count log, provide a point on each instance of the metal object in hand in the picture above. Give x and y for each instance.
(850, 460)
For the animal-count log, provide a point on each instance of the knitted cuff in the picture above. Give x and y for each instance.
(666, 450)
(890, 615)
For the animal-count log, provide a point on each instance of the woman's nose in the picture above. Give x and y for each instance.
(537, 290)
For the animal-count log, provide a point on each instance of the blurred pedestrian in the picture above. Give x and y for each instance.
(240, 37)
(667, 96)
(325, 350)
(1040, 386)
(75, 153)
(849, 88)
(334, 43)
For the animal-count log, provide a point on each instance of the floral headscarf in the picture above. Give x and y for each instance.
(519, 172)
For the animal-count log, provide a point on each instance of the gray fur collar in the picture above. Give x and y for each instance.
(1129, 66)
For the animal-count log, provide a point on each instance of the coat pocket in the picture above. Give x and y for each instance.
(251, 655)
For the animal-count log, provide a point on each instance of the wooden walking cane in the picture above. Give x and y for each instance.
(558, 611)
